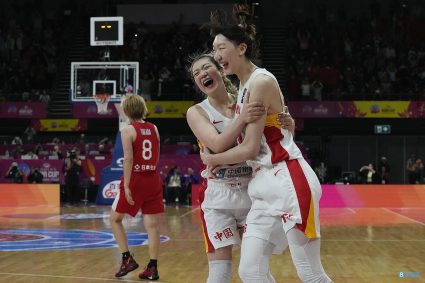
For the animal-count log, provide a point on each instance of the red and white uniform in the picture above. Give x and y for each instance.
(145, 182)
(225, 201)
(284, 189)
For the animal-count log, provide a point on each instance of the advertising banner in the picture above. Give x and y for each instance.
(52, 169)
(60, 125)
(23, 110)
(156, 109)
(357, 109)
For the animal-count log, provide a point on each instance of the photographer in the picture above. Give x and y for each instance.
(71, 169)
(35, 176)
(15, 174)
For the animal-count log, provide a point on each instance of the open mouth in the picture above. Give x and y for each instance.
(207, 82)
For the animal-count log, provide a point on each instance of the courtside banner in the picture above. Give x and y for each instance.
(168, 109)
(60, 125)
(357, 109)
(156, 109)
(384, 109)
(23, 110)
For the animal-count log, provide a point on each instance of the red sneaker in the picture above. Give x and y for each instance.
(127, 266)
(150, 273)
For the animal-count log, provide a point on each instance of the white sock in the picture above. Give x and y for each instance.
(220, 271)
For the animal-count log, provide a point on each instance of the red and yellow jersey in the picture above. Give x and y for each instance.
(277, 144)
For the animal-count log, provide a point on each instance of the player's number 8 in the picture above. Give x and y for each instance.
(147, 149)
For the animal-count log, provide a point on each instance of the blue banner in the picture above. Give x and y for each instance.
(110, 178)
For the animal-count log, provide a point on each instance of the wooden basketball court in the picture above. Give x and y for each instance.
(359, 244)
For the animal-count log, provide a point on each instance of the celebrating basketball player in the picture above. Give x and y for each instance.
(284, 191)
(225, 201)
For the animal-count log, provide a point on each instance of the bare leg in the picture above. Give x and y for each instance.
(119, 231)
(152, 227)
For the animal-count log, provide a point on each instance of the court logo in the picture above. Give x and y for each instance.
(62, 239)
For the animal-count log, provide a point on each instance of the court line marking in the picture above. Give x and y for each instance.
(189, 212)
(403, 216)
(74, 277)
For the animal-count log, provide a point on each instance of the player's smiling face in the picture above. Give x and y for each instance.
(206, 75)
(225, 53)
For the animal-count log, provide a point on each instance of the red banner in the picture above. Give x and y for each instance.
(23, 110)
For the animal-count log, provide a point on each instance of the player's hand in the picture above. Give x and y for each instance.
(285, 120)
(128, 196)
(206, 159)
(252, 111)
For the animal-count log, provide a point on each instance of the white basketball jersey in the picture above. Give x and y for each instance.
(236, 173)
(277, 144)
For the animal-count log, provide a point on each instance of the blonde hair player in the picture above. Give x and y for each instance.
(284, 191)
(140, 187)
(224, 201)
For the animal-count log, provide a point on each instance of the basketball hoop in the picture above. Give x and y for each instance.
(102, 100)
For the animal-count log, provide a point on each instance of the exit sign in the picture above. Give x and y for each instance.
(382, 129)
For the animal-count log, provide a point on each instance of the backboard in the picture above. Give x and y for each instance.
(114, 79)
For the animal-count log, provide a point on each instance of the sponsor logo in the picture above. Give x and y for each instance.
(111, 189)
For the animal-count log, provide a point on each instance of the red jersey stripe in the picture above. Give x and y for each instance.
(302, 190)
(273, 137)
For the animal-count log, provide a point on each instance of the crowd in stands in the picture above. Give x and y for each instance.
(379, 55)
(29, 41)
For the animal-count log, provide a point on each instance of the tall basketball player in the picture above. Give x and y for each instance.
(140, 187)
(284, 191)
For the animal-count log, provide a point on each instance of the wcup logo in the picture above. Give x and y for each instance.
(111, 189)
(120, 162)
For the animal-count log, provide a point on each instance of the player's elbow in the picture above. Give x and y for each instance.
(251, 151)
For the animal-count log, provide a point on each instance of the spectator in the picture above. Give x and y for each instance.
(188, 179)
(44, 97)
(410, 167)
(368, 174)
(29, 156)
(35, 177)
(30, 134)
(417, 170)
(17, 141)
(72, 168)
(174, 185)
(15, 174)
(384, 170)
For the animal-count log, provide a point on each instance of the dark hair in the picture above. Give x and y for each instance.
(241, 30)
(230, 87)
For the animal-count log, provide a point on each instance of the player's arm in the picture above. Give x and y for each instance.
(202, 128)
(159, 142)
(262, 89)
(127, 136)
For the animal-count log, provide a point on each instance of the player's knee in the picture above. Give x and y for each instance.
(114, 218)
(248, 271)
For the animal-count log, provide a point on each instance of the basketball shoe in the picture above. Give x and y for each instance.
(127, 266)
(150, 273)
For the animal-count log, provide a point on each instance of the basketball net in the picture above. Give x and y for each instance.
(122, 118)
(102, 100)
